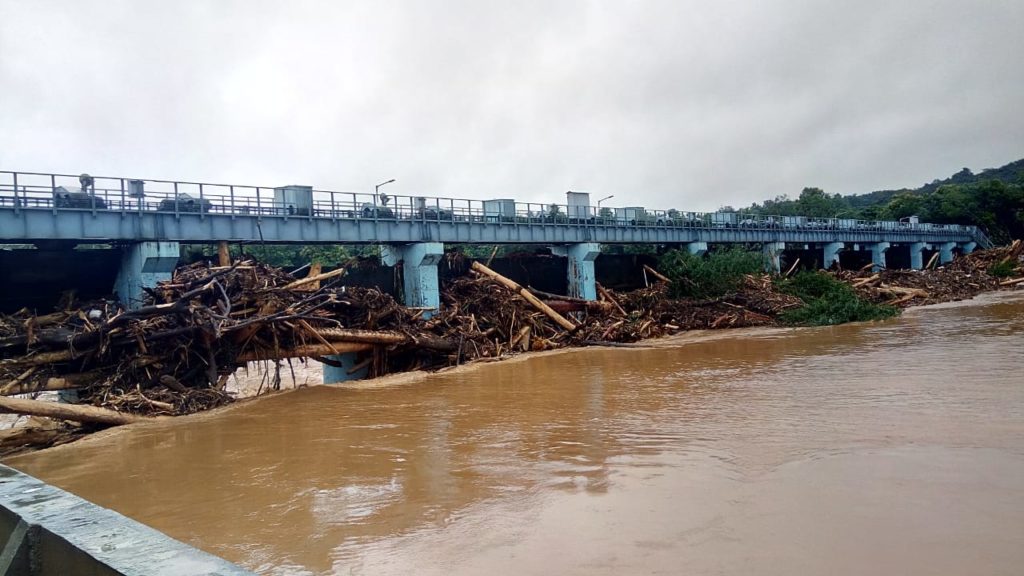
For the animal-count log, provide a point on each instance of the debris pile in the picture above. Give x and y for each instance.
(174, 354)
(963, 278)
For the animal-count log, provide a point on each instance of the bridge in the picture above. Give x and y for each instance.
(149, 218)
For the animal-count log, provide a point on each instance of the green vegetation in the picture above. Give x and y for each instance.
(286, 256)
(828, 301)
(716, 275)
(1003, 269)
(993, 200)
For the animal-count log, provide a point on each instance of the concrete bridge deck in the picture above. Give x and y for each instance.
(134, 210)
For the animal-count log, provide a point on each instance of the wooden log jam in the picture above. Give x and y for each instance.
(533, 300)
(72, 412)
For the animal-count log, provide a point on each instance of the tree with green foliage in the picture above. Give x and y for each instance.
(712, 276)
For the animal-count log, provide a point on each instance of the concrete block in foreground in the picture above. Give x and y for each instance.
(46, 531)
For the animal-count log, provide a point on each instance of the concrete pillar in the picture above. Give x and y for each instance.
(916, 255)
(697, 248)
(342, 373)
(419, 272)
(143, 265)
(878, 250)
(946, 252)
(582, 279)
(772, 256)
(419, 285)
(968, 247)
(830, 254)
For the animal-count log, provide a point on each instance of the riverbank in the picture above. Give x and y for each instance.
(182, 353)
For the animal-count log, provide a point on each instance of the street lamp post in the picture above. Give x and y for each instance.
(376, 191)
(609, 197)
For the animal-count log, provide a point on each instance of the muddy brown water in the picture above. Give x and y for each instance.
(891, 448)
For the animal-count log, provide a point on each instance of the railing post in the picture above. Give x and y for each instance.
(234, 210)
(53, 188)
(177, 213)
(259, 206)
(17, 205)
(334, 208)
(202, 209)
(123, 210)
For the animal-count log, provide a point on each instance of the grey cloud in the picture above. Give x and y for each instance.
(662, 103)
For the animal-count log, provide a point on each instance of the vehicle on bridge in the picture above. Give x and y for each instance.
(75, 198)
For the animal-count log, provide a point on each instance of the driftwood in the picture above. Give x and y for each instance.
(311, 279)
(308, 351)
(72, 412)
(657, 274)
(604, 293)
(67, 382)
(1012, 282)
(533, 300)
(386, 338)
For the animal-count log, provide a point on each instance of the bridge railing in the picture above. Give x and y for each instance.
(63, 192)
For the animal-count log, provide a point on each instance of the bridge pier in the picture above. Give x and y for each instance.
(697, 248)
(143, 264)
(772, 252)
(830, 254)
(878, 250)
(420, 289)
(946, 252)
(582, 279)
(968, 247)
(419, 272)
(917, 255)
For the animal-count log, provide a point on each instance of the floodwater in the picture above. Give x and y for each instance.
(888, 448)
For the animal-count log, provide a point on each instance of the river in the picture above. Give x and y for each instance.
(892, 448)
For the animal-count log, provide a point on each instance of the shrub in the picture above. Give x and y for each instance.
(716, 275)
(1003, 269)
(828, 301)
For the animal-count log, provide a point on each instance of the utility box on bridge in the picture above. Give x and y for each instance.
(294, 200)
(502, 210)
(579, 205)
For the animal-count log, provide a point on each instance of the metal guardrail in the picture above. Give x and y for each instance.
(41, 191)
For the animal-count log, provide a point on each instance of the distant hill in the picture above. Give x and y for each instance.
(992, 199)
(1012, 173)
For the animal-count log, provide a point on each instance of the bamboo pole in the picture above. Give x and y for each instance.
(515, 287)
(73, 412)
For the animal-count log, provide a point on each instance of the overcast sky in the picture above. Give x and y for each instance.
(664, 104)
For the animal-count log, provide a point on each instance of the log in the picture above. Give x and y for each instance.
(657, 274)
(866, 281)
(566, 306)
(608, 296)
(315, 269)
(792, 268)
(310, 279)
(932, 261)
(515, 287)
(72, 412)
(1011, 282)
(68, 382)
(383, 337)
(223, 255)
(308, 351)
